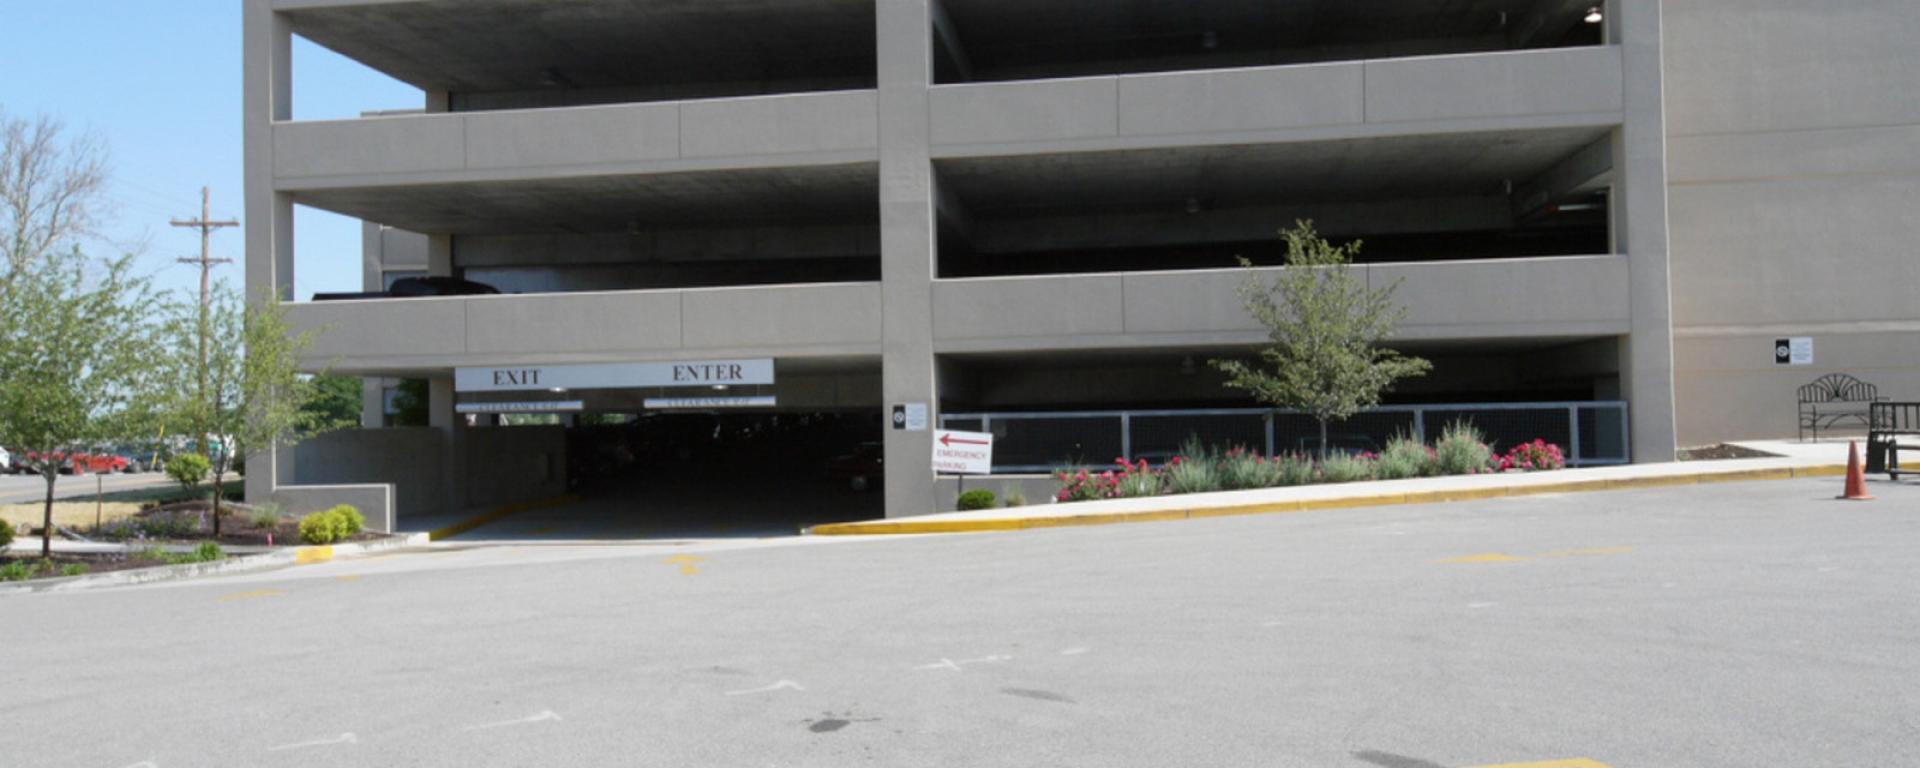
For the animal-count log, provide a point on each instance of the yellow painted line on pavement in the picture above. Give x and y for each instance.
(686, 563)
(311, 555)
(1490, 557)
(497, 513)
(1574, 762)
(258, 593)
(348, 577)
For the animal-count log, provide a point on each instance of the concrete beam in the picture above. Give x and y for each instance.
(1588, 169)
(1241, 224)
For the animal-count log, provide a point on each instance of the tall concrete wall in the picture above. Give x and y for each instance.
(1794, 171)
(361, 456)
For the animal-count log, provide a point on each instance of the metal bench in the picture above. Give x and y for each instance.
(1834, 398)
(1888, 423)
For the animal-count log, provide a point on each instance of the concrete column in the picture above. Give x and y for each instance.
(373, 403)
(440, 255)
(1640, 228)
(905, 52)
(267, 50)
(453, 427)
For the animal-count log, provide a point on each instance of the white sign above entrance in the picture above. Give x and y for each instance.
(526, 378)
(546, 406)
(702, 403)
(962, 453)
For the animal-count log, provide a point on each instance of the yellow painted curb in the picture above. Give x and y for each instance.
(495, 514)
(311, 555)
(877, 527)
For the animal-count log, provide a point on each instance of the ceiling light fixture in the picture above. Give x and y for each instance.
(719, 387)
(1594, 16)
(557, 390)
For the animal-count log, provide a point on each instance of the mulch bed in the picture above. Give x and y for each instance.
(236, 526)
(1723, 451)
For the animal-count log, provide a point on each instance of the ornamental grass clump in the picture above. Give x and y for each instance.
(1462, 451)
(1345, 468)
(1405, 457)
(1195, 470)
(1293, 469)
(1241, 469)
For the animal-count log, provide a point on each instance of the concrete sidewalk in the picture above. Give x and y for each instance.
(1806, 460)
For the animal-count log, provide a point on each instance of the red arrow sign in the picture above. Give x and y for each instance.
(949, 440)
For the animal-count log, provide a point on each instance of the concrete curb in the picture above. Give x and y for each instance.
(1195, 506)
(497, 513)
(232, 565)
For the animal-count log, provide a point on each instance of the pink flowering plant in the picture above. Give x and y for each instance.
(1537, 455)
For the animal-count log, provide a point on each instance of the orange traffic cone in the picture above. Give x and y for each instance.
(1856, 477)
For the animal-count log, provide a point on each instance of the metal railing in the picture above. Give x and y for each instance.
(1592, 432)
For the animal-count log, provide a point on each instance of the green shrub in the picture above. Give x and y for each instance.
(1012, 496)
(975, 499)
(1404, 457)
(74, 569)
(208, 552)
(1293, 469)
(189, 470)
(1345, 468)
(320, 528)
(1241, 469)
(351, 521)
(6, 533)
(15, 571)
(1462, 451)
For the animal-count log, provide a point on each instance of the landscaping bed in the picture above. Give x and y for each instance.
(1461, 450)
(27, 565)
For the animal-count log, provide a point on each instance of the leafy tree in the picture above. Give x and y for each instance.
(254, 395)
(1324, 328)
(73, 362)
(335, 403)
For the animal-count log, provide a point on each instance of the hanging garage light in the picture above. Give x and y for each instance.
(1594, 16)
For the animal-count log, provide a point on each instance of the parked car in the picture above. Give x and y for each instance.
(417, 287)
(860, 470)
(82, 462)
(6, 463)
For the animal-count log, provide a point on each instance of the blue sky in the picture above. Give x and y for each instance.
(159, 82)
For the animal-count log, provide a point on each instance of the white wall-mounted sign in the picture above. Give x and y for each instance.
(522, 378)
(701, 403)
(549, 406)
(1794, 351)
(962, 453)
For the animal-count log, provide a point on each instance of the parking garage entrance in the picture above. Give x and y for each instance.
(677, 450)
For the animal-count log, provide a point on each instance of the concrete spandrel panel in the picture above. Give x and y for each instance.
(1188, 302)
(1510, 297)
(777, 125)
(378, 328)
(1043, 110)
(1777, 65)
(573, 136)
(1490, 85)
(369, 145)
(1048, 306)
(1242, 99)
(842, 315)
(1794, 250)
(573, 322)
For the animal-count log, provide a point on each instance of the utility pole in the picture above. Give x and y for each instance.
(207, 226)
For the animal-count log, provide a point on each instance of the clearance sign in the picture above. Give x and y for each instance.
(962, 453)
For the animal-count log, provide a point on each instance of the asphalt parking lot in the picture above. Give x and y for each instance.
(1751, 624)
(19, 489)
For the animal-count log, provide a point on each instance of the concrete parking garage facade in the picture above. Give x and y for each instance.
(939, 201)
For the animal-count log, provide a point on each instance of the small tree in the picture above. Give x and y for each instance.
(254, 395)
(1324, 328)
(72, 362)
